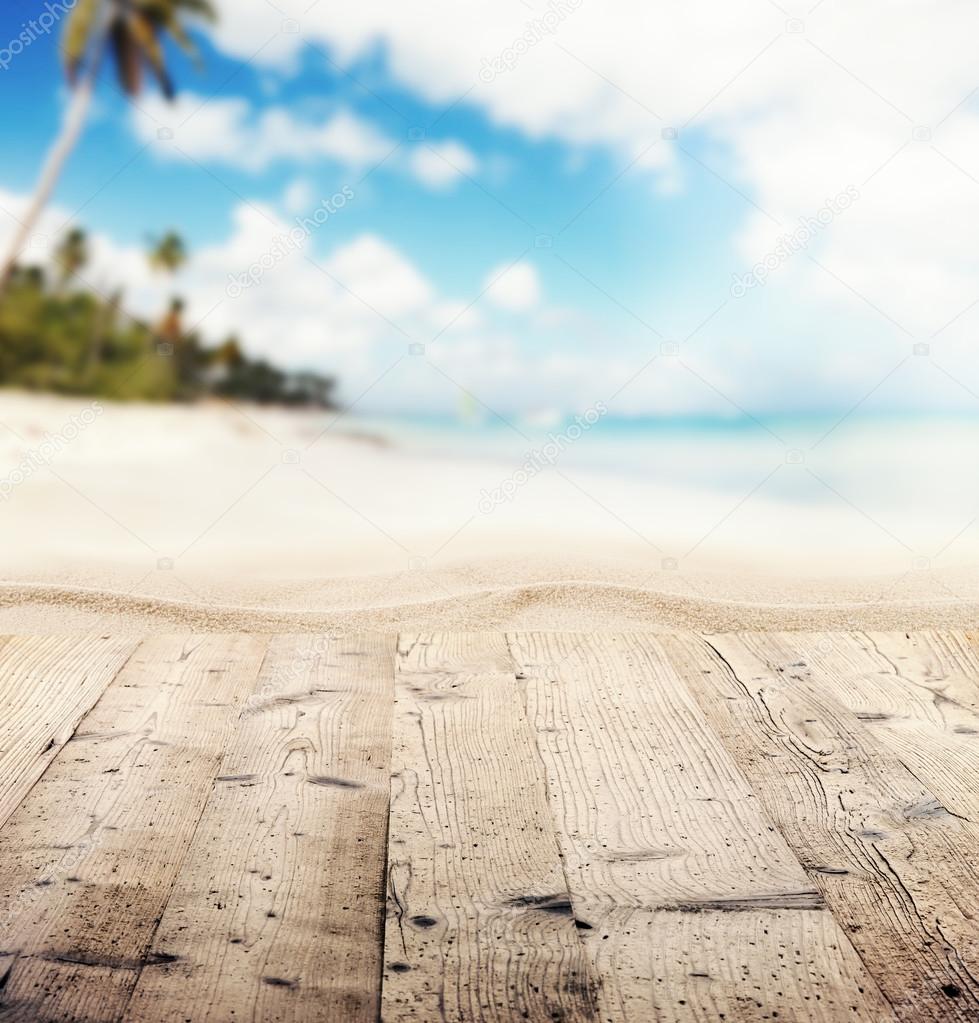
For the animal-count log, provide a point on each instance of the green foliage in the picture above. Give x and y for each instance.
(71, 255)
(76, 342)
(134, 31)
(168, 254)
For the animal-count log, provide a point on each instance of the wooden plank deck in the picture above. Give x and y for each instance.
(543, 827)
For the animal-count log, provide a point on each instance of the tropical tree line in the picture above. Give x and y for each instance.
(58, 335)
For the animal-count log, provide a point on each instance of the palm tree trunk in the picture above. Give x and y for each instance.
(71, 130)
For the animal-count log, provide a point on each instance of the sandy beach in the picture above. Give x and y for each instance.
(217, 517)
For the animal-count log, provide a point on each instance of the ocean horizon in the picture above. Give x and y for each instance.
(905, 461)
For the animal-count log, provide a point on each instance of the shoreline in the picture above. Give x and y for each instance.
(213, 517)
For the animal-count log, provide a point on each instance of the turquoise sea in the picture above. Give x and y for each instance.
(904, 464)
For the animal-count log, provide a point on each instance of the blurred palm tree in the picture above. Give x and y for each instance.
(104, 325)
(133, 30)
(170, 329)
(168, 254)
(71, 255)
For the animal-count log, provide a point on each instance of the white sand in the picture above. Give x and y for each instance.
(216, 518)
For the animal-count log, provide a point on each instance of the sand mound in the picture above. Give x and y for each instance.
(559, 605)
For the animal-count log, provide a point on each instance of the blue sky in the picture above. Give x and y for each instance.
(452, 233)
(625, 240)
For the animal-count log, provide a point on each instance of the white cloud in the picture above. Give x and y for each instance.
(378, 274)
(515, 288)
(439, 164)
(299, 197)
(460, 315)
(344, 312)
(788, 106)
(230, 132)
(298, 313)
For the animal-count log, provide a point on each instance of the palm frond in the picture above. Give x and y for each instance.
(169, 253)
(134, 33)
(78, 34)
(128, 63)
(146, 38)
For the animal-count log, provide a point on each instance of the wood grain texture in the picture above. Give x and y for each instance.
(89, 858)
(480, 926)
(47, 685)
(279, 910)
(897, 870)
(618, 828)
(918, 696)
(695, 907)
(752, 966)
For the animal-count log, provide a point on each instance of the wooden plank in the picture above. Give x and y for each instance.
(899, 875)
(279, 910)
(47, 685)
(88, 860)
(918, 696)
(695, 907)
(751, 966)
(479, 925)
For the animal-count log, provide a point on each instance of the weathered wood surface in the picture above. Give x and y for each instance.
(919, 698)
(47, 685)
(536, 827)
(480, 925)
(277, 912)
(88, 860)
(896, 868)
(670, 860)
